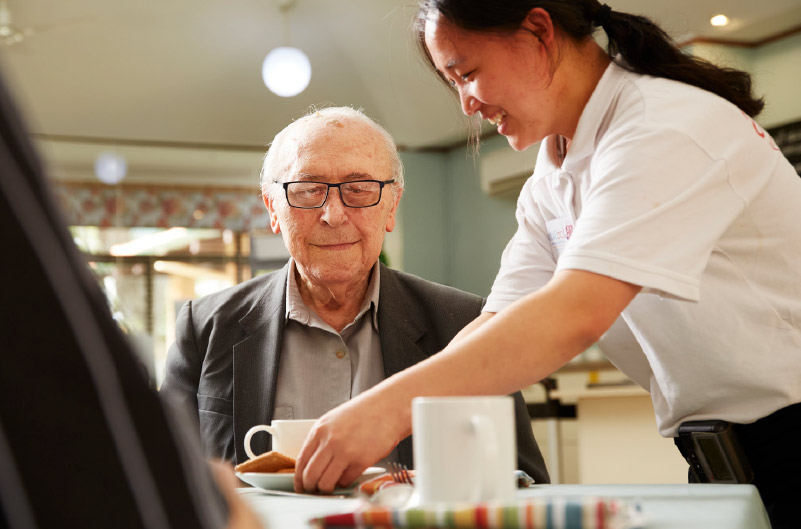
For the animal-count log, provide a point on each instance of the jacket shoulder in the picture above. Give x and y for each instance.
(234, 303)
(435, 290)
(431, 300)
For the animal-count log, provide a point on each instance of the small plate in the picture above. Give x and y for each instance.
(286, 482)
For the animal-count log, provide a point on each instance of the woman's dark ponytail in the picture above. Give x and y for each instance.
(643, 45)
(647, 49)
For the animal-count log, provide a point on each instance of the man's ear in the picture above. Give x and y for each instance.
(269, 204)
(538, 21)
(397, 194)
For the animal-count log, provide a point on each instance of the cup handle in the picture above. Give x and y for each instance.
(487, 453)
(258, 428)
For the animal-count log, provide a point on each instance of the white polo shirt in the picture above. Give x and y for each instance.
(674, 189)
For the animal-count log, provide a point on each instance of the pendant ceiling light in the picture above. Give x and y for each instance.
(286, 70)
(110, 168)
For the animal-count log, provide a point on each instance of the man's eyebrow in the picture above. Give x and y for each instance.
(307, 176)
(319, 178)
(359, 176)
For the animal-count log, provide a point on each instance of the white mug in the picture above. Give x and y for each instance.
(288, 436)
(464, 449)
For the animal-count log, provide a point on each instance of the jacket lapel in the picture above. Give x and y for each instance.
(399, 325)
(256, 360)
(401, 329)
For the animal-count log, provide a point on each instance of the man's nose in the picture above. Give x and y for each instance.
(334, 211)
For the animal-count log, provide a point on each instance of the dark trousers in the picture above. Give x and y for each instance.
(773, 448)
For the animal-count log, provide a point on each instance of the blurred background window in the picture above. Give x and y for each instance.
(147, 274)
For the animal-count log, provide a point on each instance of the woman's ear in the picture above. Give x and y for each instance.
(538, 21)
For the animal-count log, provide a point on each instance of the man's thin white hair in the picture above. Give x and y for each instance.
(270, 171)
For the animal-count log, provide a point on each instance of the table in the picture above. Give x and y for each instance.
(686, 506)
(673, 506)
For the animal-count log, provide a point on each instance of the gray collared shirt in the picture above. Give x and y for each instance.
(320, 368)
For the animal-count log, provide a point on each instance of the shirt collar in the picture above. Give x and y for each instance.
(595, 113)
(297, 310)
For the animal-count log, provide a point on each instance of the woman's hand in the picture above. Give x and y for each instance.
(348, 439)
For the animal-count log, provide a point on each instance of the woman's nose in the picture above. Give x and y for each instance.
(469, 103)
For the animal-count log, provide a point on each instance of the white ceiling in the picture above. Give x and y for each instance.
(189, 71)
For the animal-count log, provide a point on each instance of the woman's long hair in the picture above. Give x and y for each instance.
(644, 46)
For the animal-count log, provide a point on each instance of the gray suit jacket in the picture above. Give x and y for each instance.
(227, 352)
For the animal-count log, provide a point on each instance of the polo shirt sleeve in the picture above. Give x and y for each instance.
(527, 262)
(656, 205)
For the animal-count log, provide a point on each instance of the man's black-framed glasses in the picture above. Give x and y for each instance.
(354, 194)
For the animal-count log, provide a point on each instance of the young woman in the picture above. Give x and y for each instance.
(655, 196)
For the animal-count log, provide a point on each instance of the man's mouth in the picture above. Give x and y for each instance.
(335, 245)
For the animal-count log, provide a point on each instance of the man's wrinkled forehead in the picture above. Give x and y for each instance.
(321, 123)
(351, 140)
(316, 126)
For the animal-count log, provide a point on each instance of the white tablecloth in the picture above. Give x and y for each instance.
(691, 506)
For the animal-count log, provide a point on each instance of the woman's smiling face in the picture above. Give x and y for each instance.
(506, 78)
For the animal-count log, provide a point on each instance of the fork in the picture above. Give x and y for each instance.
(400, 473)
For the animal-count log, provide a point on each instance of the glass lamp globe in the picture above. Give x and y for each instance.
(286, 71)
(110, 168)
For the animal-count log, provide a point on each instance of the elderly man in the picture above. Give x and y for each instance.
(333, 322)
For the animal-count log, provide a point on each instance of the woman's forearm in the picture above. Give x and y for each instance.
(529, 341)
(472, 326)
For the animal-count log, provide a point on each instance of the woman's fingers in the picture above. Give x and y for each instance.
(315, 467)
(330, 477)
(302, 462)
(342, 444)
(351, 474)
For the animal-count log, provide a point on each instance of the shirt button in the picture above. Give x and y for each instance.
(340, 354)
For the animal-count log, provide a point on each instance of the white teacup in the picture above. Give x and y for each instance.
(288, 436)
(464, 449)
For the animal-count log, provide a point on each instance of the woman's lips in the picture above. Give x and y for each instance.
(503, 127)
(497, 118)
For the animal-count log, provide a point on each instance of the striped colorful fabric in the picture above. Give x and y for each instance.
(374, 485)
(545, 513)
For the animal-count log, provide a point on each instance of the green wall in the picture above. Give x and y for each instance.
(479, 225)
(424, 218)
(776, 70)
(452, 232)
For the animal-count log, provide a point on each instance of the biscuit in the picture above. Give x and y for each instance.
(267, 462)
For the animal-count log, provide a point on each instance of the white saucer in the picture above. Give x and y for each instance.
(286, 482)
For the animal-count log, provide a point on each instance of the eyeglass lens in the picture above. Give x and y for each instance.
(358, 194)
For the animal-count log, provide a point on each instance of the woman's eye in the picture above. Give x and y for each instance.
(466, 76)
